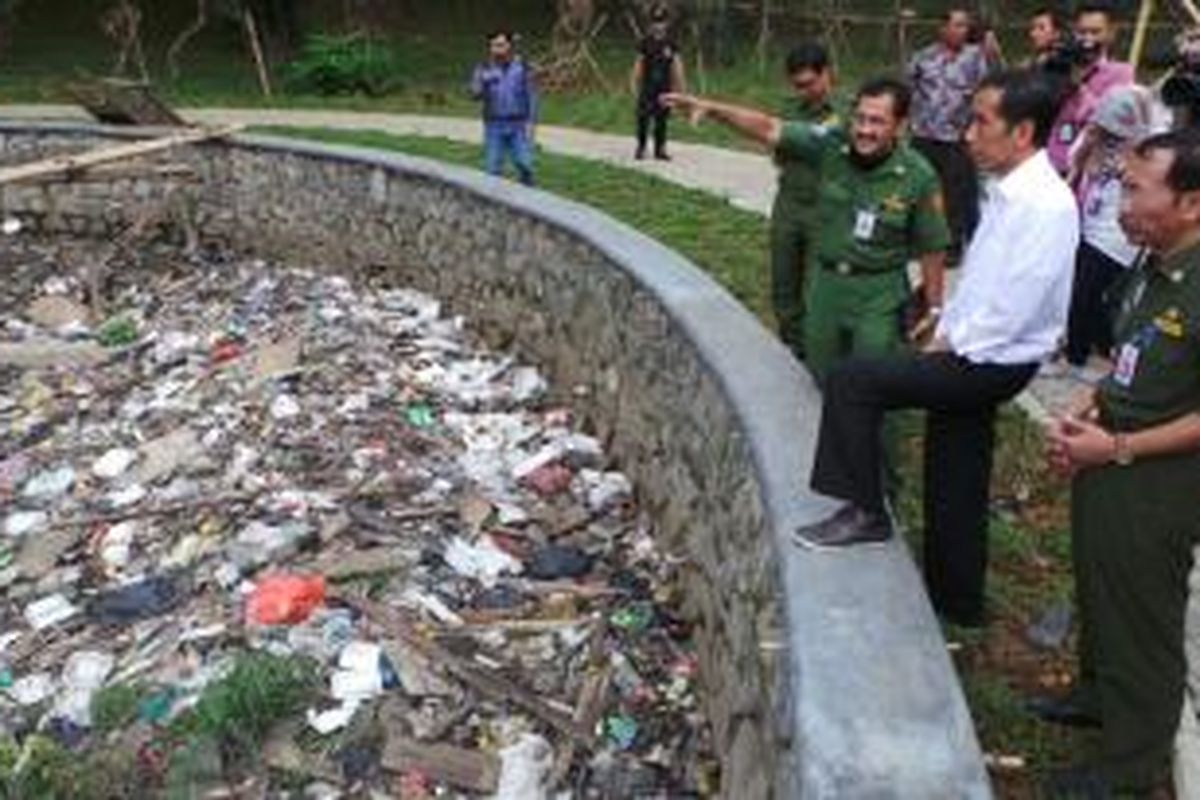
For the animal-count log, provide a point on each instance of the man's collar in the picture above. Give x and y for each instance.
(1021, 175)
(817, 107)
(1176, 263)
(1093, 68)
(873, 165)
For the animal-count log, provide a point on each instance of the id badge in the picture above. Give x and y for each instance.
(1127, 359)
(864, 224)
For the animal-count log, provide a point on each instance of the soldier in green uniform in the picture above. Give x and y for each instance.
(878, 206)
(794, 210)
(1133, 446)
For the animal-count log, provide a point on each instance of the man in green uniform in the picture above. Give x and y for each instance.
(1133, 446)
(794, 210)
(878, 206)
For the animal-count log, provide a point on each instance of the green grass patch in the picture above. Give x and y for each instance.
(114, 707)
(727, 242)
(260, 690)
(426, 72)
(1028, 572)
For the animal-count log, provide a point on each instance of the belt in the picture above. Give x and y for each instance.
(845, 268)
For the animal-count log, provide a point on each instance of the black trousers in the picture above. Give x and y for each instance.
(1089, 326)
(960, 188)
(961, 399)
(650, 111)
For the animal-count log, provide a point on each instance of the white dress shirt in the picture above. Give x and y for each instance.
(1010, 306)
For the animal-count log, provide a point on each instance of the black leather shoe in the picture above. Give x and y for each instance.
(1080, 782)
(849, 526)
(662, 156)
(1069, 710)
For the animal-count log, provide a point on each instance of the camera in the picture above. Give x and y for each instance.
(1069, 54)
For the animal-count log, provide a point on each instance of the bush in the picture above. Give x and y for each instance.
(351, 64)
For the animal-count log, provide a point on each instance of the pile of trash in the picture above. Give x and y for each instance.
(309, 530)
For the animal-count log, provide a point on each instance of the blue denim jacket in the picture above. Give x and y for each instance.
(506, 90)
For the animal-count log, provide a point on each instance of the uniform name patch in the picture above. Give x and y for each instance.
(1127, 359)
(864, 224)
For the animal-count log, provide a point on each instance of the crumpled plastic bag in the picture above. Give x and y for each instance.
(285, 599)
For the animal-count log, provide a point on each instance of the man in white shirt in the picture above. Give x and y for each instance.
(1005, 318)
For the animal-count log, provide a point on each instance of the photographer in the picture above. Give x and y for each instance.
(1092, 75)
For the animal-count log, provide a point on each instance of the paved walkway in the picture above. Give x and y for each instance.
(746, 179)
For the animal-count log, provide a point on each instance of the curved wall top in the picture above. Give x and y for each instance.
(825, 673)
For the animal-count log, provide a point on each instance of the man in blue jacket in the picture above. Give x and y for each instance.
(505, 86)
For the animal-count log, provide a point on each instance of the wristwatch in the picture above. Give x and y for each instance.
(1122, 455)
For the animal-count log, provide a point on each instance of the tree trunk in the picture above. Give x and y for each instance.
(279, 27)
(764, 36)
(716, 31)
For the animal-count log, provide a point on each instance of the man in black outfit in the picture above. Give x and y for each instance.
(657, 71)
(1006, 315)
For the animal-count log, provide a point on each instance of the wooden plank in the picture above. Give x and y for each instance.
(485, 682)
(122, 102)
(466, 769)
(78, 162)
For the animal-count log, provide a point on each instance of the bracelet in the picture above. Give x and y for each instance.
(1122, 455)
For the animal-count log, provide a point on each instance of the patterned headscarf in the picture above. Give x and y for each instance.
(1125, 112)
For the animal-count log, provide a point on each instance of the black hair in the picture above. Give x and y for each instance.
(807, 55)
(1056, 18)
(892, 87)
(1026, 96)
(1096, 7)
(1184, 145)
(507, 34)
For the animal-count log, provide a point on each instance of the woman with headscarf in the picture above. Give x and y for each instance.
(1122, 119)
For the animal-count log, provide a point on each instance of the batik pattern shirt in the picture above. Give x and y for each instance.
(943, 82)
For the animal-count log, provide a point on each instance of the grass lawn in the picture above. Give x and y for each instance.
(54, 43)
(731, 244)
(1030, 564)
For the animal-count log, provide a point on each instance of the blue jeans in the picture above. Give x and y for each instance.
(511, 139)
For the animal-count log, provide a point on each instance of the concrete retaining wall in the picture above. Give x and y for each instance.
(826, 675)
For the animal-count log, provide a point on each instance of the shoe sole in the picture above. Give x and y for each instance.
(808, 544)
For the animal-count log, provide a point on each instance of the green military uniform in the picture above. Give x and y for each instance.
(871, 222)
(1133, 528)
(792, 219)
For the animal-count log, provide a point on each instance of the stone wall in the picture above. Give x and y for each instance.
(825, 674)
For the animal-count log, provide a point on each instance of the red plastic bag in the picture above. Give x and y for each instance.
(285, 599)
